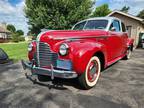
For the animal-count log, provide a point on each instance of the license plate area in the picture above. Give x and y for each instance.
(64, 64)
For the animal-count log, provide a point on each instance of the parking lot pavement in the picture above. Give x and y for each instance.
(120, 86)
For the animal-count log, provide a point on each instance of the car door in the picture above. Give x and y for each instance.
(124, 38)
(115, 40)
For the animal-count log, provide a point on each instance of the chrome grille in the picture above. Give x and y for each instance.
(45, 56)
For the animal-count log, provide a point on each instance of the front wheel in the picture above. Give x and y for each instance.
(91, 75)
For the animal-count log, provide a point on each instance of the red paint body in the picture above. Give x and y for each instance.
(86, 43)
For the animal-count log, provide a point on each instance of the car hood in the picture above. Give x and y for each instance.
(56, 37)
(70, 34)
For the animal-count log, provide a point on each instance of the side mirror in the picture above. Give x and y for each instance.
(113, 29)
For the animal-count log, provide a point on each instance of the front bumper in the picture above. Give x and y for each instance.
(48, 72)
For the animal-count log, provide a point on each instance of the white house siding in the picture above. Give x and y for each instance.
(3, 35)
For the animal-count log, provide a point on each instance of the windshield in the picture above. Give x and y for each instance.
(91, 25)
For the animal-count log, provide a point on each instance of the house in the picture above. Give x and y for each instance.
(4, 33)
(134, 25)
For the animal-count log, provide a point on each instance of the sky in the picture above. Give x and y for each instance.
(11, 11)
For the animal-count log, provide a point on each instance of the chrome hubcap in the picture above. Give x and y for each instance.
(92, 71)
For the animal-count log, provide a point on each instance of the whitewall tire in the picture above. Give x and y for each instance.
(91, 75)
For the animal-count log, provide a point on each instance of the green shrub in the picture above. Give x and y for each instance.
(21, 38)
(15, 37)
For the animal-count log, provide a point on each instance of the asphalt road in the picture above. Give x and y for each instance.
(120, 86)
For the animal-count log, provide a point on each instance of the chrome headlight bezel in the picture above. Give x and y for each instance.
(30, 47)
(63, 49)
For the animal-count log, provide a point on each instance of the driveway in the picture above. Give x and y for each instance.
(120, 86)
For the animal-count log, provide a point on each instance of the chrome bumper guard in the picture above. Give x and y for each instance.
(48, 72)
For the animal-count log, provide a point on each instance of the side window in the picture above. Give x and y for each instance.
(123, 27)
(111, 27)
(79, 26)
(116, 25)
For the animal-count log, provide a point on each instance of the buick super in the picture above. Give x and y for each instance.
(83, 52)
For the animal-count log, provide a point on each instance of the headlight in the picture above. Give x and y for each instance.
(30, 47)
(63, 49)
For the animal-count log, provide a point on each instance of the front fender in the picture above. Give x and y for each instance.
(82, 52)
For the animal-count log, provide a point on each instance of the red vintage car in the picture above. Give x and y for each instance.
(83, 52)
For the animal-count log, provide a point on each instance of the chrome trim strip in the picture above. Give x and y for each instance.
(38, 53)
(39, 35)
(80, 37)
(60, 74)
(57, 71)
(38, 40)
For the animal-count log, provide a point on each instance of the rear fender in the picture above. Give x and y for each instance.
(130, 42)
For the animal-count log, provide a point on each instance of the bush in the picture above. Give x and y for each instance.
(15, 37)
(21, 38)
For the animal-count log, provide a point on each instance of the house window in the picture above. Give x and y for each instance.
(129, 29)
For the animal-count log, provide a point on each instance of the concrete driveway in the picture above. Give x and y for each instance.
(120, 86)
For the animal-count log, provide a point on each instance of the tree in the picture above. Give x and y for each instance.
(20, 32)
(11, 28)
(125, 9)
(56, 14)
(16, 35)
(141, 14)
(101, 11)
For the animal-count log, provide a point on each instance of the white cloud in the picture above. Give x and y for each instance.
(13, 14)
(135, 5)
(5, 7)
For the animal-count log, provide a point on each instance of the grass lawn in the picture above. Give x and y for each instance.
(15, 51)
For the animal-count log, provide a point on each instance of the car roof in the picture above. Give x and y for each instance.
(101, 18)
